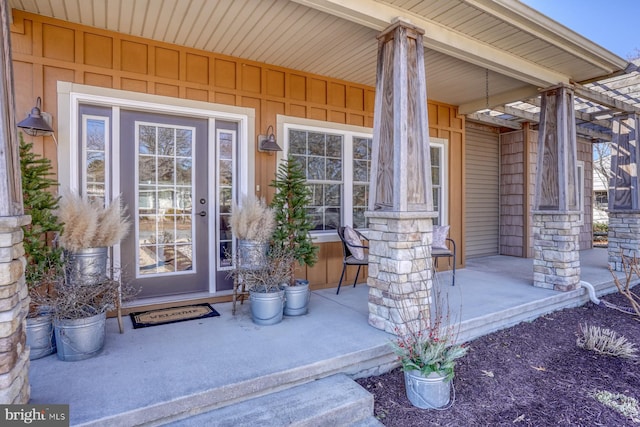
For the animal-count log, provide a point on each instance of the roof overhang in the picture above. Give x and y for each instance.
(478, 53)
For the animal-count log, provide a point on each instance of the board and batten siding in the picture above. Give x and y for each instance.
(482, 191)
(47, 50)
(517, 191)
(514, 194)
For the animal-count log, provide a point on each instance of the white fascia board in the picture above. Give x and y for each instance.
(379, 16)
(544, 28)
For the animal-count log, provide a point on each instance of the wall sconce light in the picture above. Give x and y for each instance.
(35, 124)
(268, 142)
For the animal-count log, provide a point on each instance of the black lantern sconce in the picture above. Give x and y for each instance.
(35, 124)
(268, 142)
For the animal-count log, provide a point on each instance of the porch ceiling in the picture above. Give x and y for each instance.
(471, 45)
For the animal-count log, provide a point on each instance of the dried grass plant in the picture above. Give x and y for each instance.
(605, 341)
(631, 275)
(252, 220)
(84, 300)
(275, 273)
(427, 341)
(88, 224)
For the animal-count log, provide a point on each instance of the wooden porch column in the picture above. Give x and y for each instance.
(400, 201)
(624, 190)
(14, 298)
(556, 215)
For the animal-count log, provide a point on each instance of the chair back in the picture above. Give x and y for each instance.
(345, 248)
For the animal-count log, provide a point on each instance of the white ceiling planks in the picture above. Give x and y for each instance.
(337, 38)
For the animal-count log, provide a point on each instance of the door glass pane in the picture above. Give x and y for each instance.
(95, 146)
(165, 187)
(225, 141)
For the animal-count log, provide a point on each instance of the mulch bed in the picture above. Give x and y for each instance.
(532, 374)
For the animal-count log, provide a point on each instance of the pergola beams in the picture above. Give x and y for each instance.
(613, 106)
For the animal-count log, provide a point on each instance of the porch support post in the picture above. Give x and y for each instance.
(14, 298)
(400, 198)
(556, 215)
(624, 191)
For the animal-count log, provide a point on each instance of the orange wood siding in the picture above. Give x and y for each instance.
(47, 50)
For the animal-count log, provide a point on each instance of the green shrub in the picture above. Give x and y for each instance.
(599, 227)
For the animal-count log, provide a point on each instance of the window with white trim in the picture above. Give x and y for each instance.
(337, 164)
(440, 186)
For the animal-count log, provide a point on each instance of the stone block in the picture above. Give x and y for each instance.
(7, 254)
(11, 271)
(373, 270)
(543, 284)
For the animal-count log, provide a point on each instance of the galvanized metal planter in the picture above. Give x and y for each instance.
(40, 337)
(79, 339)
(266, 307)
(430, 392)
(86, 266)
(297, 298)
(252, 255)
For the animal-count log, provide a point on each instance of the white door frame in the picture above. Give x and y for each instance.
(71, 95)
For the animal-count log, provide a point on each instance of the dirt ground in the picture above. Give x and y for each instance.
(532, 374)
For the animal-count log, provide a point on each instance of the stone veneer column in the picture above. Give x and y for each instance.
(624, 237)
(14, 306)
(556, 215)
(399, 267)
(400, 196)
(556, 245)
(624, 190)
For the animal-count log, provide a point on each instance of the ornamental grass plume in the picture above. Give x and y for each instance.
(252, 220)
(88, 224)
(606, 342)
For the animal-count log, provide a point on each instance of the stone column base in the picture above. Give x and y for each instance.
(556, 246)
(624, 237)
(14, 306)
(400, 268)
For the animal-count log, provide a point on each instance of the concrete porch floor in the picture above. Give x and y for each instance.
(167, 373)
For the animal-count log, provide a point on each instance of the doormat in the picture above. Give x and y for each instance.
(144, 319)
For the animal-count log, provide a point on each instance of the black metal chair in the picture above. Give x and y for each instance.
(448, 253)
(348, 258)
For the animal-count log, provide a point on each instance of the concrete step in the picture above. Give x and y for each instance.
(332, 401)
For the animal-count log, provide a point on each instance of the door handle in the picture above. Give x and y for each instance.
(203, 213)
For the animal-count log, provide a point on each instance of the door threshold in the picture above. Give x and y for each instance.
(169, 301)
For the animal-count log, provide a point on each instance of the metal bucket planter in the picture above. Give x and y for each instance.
(430, 392)
(252, 255)
(297, 298)
(266, 307)
(40, 337)
(86, 266)
(79, 339)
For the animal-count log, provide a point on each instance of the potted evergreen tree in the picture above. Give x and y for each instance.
(291, 234)
(43, 259)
